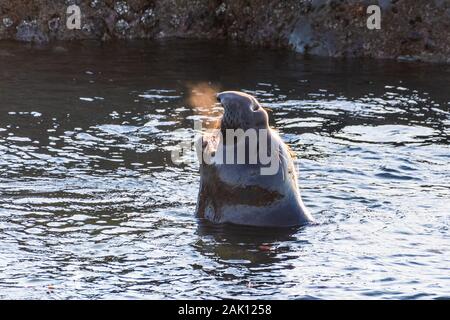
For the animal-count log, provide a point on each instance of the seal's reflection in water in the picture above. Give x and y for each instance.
(244, 245)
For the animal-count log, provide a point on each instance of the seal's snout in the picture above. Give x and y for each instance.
(231, 98)
(223, 98)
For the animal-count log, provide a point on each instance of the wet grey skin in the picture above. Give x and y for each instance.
(238, 193)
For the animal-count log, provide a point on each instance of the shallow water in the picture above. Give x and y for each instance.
(91, 205)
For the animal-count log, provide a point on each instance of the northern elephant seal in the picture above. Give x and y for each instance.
(237, 184)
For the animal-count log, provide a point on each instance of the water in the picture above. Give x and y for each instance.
(91, 205)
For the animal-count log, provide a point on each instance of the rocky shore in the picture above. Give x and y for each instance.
(410, 29)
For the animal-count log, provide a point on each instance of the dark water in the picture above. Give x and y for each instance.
(91, 205)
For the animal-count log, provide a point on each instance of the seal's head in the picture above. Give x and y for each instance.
(242, 111)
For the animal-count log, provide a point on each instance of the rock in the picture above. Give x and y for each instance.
(122, 8)
(110, 20)
(385, 4)
(415, 36)
(106, 37)
(148, 17)
(318, 3)
(302, 38)
(7, 22)
(4, 53)
(53, 24)
(326, 46)
(139, 5)
(28, 31)
(408, 58)
(59, 49)
(71, 2)
(95, 4)
(87, 28)
(334, 28)
(221, 9)
(122, 27)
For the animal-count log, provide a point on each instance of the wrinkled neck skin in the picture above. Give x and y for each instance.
(227, 123)
(249, 147)
(237, 136)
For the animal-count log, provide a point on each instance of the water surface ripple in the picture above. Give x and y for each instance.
(91, 205)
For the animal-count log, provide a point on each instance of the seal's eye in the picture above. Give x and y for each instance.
(255, 107)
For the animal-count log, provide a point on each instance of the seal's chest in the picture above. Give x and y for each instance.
(237, 174)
